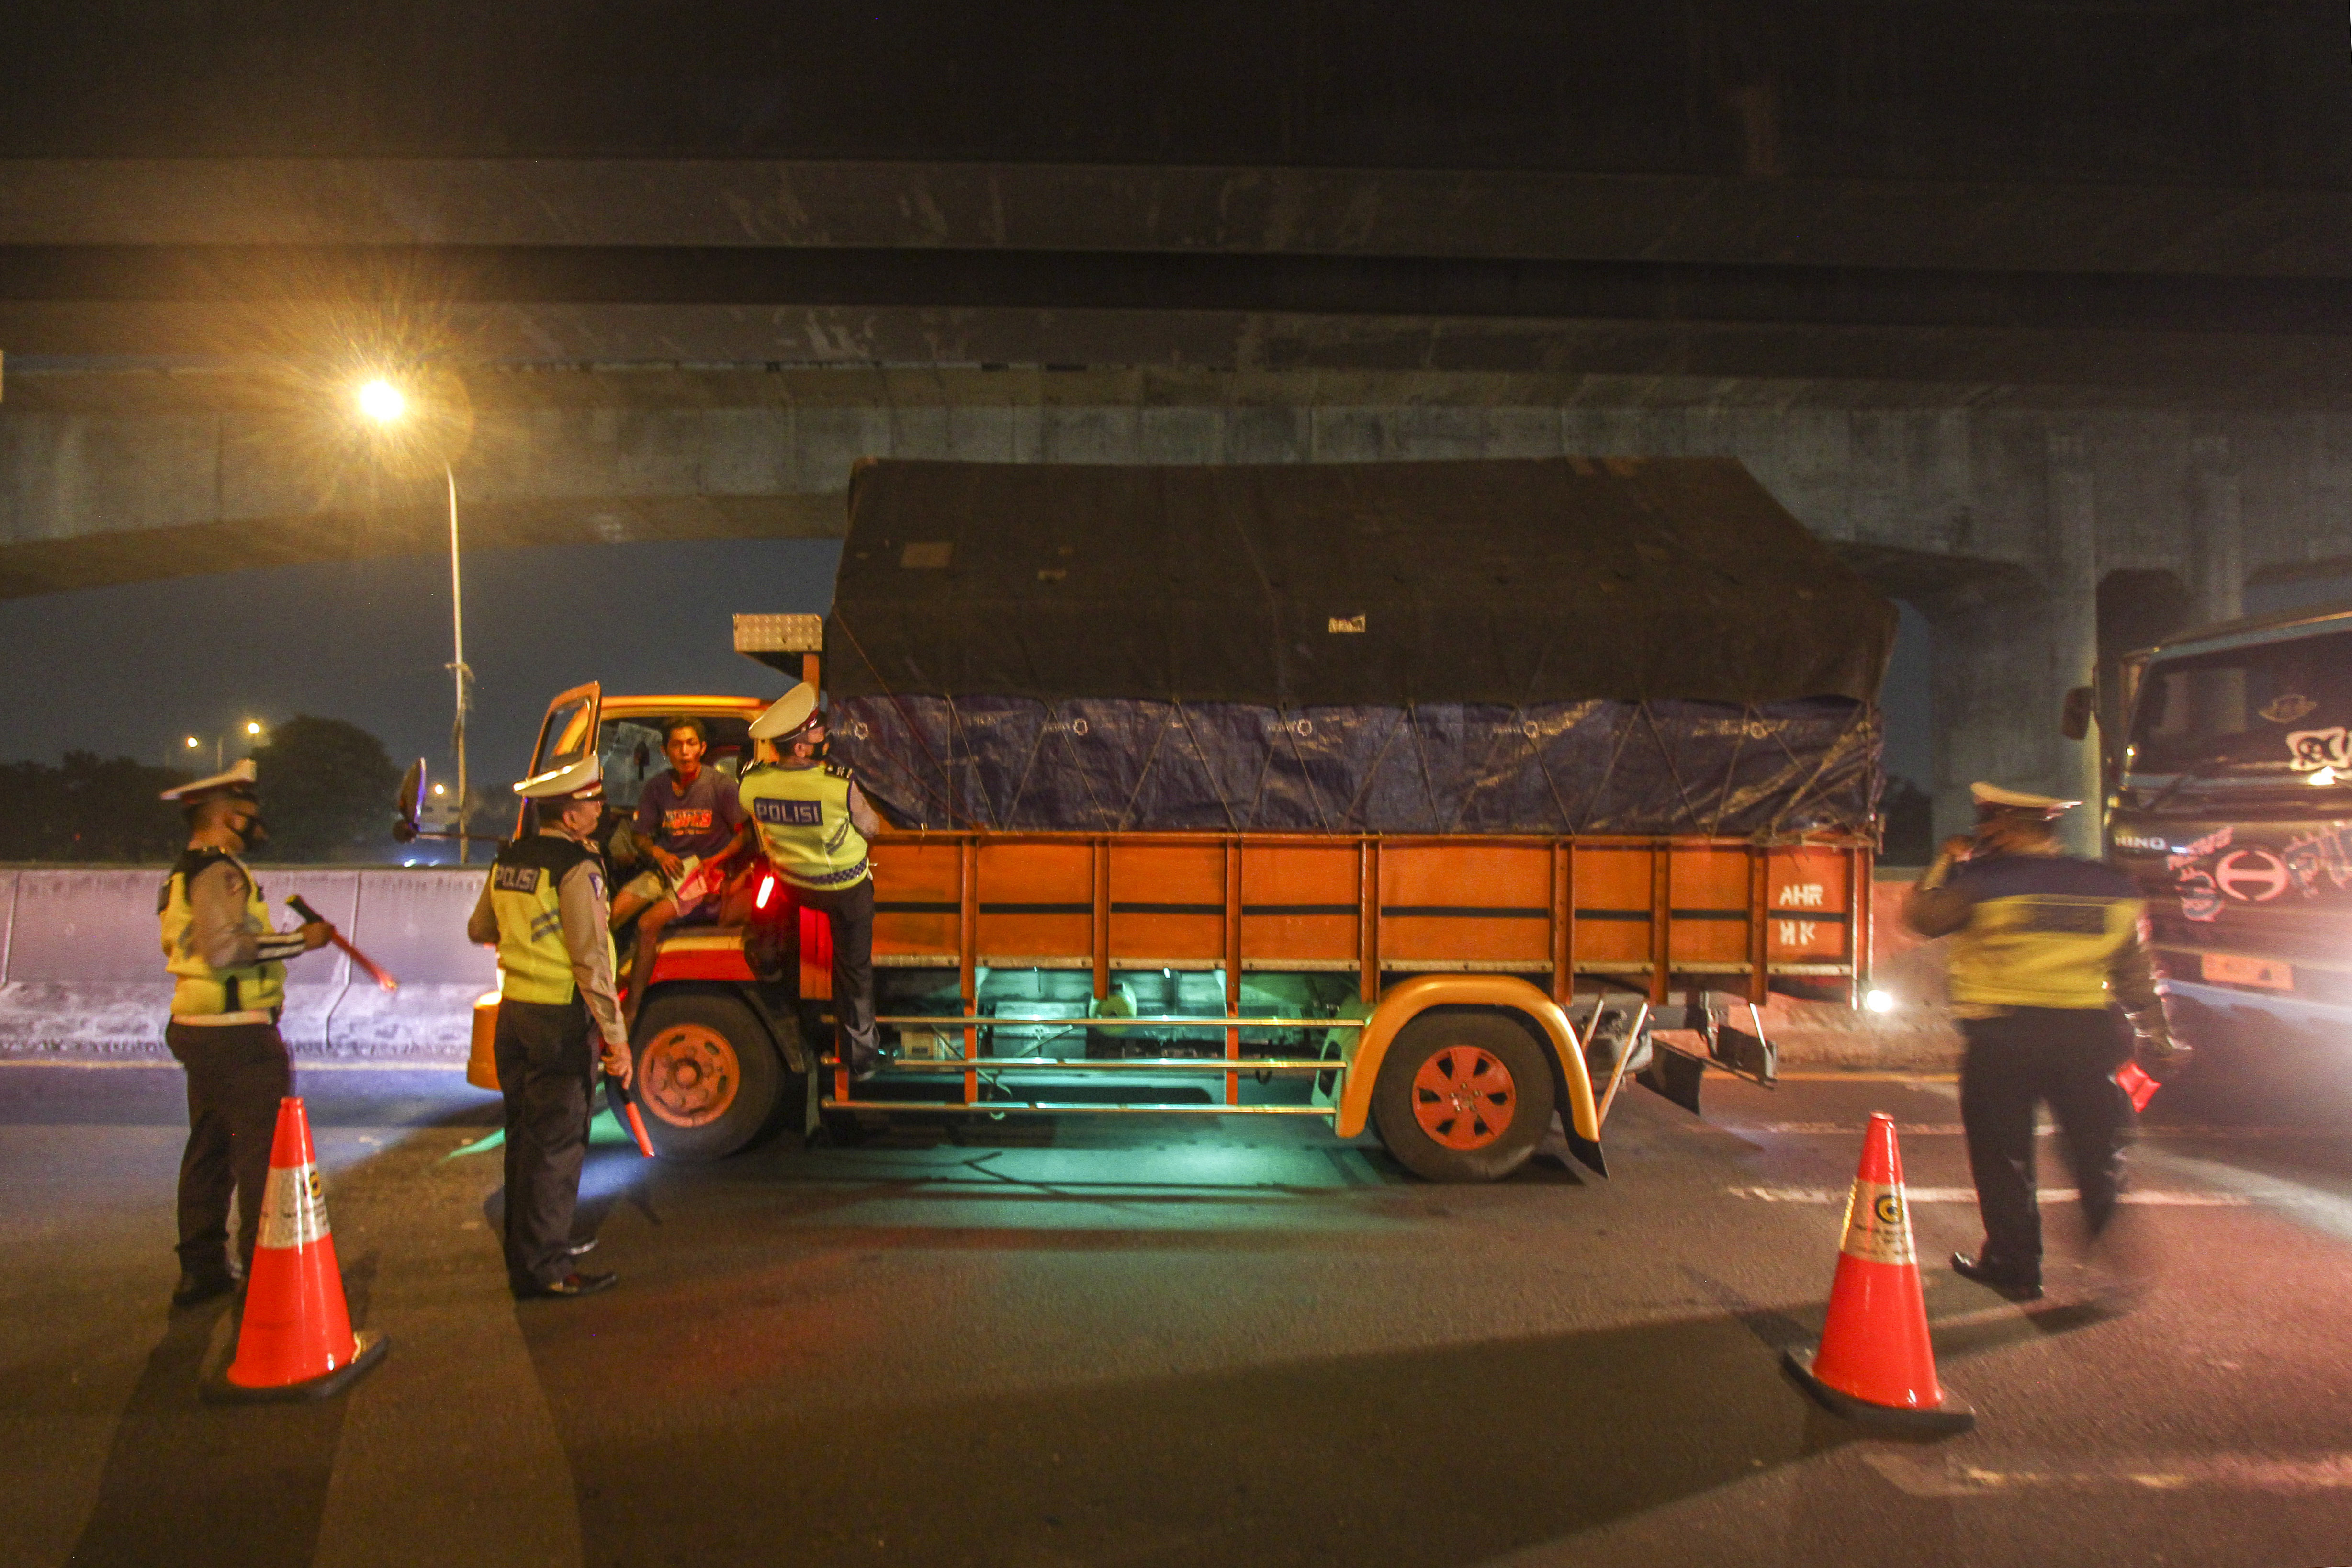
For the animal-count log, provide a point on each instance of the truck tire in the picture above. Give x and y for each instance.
(708, 1079)
(1463, 1096)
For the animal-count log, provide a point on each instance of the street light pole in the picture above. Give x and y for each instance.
(457, 670)
(380, 401)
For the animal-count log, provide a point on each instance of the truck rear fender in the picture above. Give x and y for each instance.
(1504, 993)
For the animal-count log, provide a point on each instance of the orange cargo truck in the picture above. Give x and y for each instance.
(1129, 873)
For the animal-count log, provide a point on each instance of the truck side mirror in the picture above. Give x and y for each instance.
(2075, 720)
(409, 805)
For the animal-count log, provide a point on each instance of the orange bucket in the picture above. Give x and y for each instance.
(482, 1059)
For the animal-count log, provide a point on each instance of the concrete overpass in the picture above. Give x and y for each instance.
(2039, 311)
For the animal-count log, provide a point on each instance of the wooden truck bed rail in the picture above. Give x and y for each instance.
(1644, 912)
(1638, 915)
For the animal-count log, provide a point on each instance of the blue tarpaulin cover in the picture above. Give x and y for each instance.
(1515, 647)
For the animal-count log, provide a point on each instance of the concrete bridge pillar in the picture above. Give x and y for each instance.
(2217, 531)
(2074, 634)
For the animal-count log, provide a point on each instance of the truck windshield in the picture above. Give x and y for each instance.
(2273, 709)
(631, 749)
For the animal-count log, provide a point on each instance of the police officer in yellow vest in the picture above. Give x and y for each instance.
(813, 823)
(2051, 983)
(228, 968)
(543, 904)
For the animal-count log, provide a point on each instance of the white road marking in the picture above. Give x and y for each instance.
(1950, 1477)
(1953, 1130)
(1837, 1196)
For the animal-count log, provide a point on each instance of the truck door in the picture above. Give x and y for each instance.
(567, 734)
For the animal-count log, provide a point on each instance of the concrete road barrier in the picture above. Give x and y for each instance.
(81, 970)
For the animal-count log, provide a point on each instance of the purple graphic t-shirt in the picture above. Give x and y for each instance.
(696, 820)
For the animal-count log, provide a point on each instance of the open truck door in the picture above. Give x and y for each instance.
(567, 734)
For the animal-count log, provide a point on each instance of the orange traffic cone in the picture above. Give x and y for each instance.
(1875, 1364)
(296, 1339)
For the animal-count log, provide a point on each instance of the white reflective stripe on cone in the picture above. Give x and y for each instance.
(1878, 1229)
(294, 1207)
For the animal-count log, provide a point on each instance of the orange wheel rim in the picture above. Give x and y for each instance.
(1464, 1098)
(688, 1075)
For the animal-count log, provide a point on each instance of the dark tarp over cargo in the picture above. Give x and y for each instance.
(1629, 645)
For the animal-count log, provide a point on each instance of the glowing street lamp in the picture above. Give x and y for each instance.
(385, 404)
(253, 730)
(381, 401)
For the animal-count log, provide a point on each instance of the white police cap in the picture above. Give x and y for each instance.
(1993, 798)
(787, 715)
(585, 776)
(239, 781)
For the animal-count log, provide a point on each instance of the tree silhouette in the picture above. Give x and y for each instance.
(92, 808)
(326, 790)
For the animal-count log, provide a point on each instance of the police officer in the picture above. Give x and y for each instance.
(2052, 981)
(815, 823)
(543, 905)
(228, 968)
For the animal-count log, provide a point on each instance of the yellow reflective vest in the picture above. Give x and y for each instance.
(804, 819)
(2042, 931)
(201, 991)
(526, 887)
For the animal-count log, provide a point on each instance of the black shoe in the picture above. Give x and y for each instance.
(581, 1248)
(195, 1288)
(2016, 1287)
(573, 1284)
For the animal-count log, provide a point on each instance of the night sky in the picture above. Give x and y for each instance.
(134, 670)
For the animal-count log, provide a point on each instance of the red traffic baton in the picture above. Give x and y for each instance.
(374, 972)
(626, 1109)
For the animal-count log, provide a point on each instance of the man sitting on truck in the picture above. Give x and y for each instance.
(815, 824)
(689, 824)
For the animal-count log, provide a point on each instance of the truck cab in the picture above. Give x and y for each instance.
(2230, 804)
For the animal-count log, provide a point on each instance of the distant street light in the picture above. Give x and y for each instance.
(253, 729)
(385, 404)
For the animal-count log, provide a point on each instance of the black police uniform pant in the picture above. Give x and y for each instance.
(546, 1054)
(236, 1074)
(2066, 1057)
(850, 912)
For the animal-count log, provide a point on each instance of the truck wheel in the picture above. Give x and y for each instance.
(1462, 1097)
(707, 1077)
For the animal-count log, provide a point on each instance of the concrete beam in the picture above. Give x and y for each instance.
(1580, 216)
(2217, 368)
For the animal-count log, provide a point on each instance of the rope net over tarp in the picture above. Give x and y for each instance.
(1761, 771)
(1620, 646)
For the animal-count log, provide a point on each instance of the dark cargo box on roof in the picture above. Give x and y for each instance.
(1633, 646)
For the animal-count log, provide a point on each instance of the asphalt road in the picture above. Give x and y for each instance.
(1173, 1342)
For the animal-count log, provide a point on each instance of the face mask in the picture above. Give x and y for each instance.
(256, 833)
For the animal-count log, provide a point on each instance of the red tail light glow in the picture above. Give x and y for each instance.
(767, 891)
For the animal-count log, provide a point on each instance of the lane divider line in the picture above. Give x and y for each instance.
(1825, 1197)
(1948, 1478)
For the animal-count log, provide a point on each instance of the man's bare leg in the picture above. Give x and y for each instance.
(641, 964)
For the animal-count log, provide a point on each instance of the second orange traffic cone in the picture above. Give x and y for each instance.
(295, 1340)
(1875, 1364)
